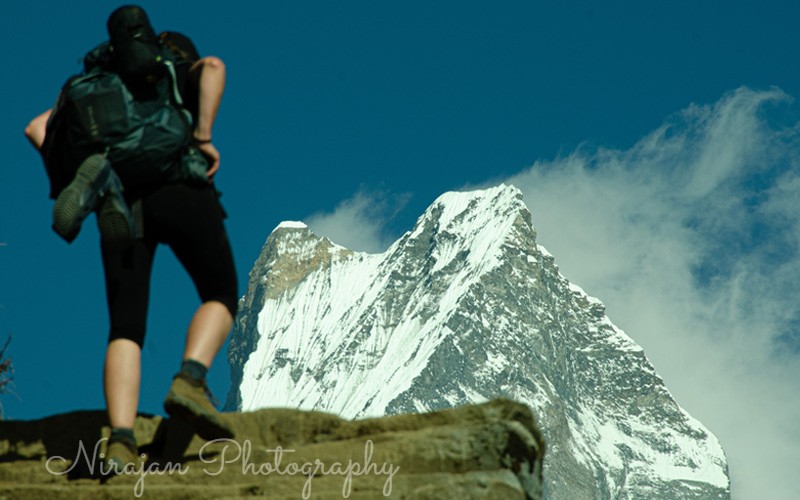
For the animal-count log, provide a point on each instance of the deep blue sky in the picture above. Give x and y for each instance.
(325, 99)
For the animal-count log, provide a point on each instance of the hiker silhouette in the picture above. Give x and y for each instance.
(144, 200)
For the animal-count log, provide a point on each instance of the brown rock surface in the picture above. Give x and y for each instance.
(492, 450)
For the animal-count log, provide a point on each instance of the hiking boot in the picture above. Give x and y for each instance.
(114, 218)
(189, 399)
(81, 196)
(121, 457)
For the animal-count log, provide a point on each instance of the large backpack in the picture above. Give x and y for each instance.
(125, 104)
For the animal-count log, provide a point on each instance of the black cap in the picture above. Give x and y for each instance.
(130, 21)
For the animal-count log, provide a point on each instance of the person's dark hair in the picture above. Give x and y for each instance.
(181, 45)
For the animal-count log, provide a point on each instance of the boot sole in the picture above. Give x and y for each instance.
(69, 212)
(208, 427)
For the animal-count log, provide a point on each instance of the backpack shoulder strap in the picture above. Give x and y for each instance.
(173, 77)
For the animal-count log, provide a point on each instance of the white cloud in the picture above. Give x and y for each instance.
(691, 240)
(359, 222)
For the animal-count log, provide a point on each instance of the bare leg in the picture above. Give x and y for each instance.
(207, 332)
(122, 377)
(188, 397)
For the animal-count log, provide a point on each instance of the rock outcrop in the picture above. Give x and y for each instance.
(492, 450)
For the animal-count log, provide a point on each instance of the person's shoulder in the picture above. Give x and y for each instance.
(180, 45)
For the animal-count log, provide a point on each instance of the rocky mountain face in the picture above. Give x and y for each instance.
(486, 451)
(464, 308)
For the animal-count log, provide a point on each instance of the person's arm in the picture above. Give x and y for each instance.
(37, 128)
(208, 74)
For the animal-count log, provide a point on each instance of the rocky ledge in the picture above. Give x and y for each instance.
(491, 450)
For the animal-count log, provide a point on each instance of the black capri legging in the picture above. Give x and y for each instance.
(189, 219)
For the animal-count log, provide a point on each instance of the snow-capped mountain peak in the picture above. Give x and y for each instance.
(463, 308)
